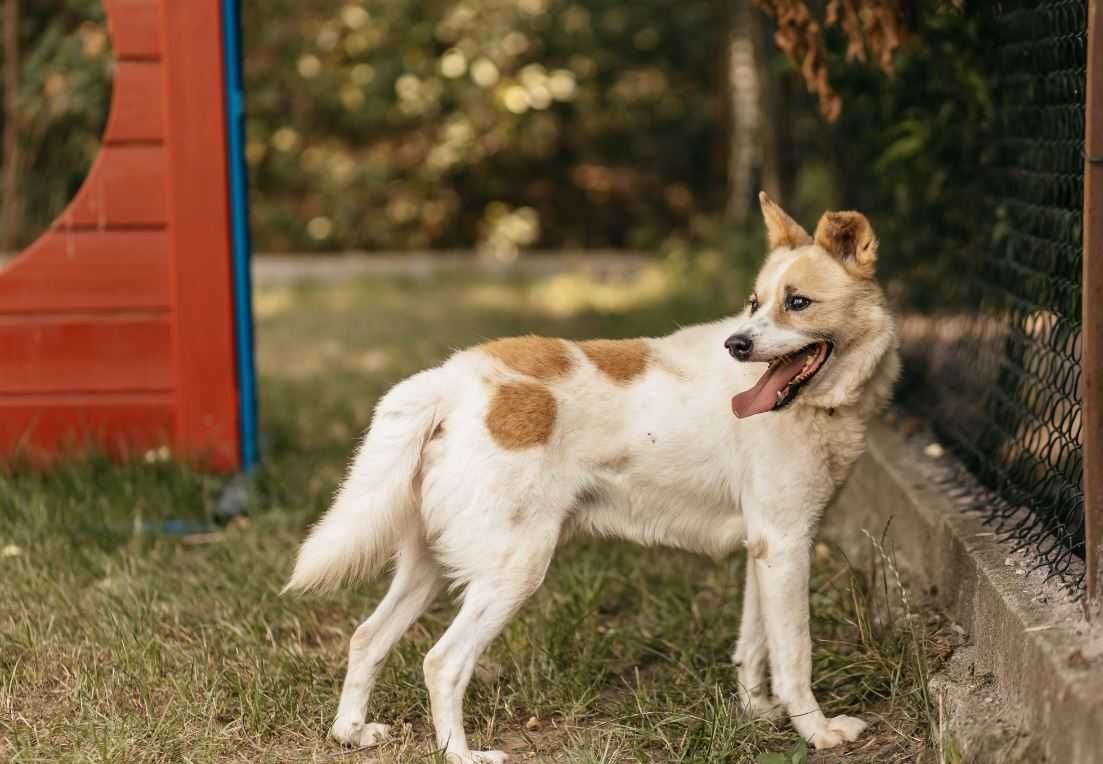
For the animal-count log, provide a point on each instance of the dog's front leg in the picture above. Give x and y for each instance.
(782, 567)
(751, 653)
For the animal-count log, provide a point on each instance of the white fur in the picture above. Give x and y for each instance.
(355, 539)
(660, 460)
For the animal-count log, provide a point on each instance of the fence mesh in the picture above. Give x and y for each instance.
(1001, 379)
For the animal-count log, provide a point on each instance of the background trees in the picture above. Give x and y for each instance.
(397, 124)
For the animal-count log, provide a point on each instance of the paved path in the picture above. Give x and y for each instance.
(280, 269)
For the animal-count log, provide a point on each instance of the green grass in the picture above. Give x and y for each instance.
(121, 644)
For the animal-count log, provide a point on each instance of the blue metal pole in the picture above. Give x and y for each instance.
(239, 222)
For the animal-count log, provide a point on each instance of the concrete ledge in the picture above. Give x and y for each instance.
(1046, 664)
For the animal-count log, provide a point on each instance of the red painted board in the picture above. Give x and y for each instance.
(207, 414)
(126, 187)
(88, 270)
(137, 103)
(85, 354)
(135, 27)
(43, 428)
(116, 326)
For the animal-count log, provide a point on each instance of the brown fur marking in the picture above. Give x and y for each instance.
(620, 360)
(758, 549)
(521, 415)
(537, 357)
(849, 237)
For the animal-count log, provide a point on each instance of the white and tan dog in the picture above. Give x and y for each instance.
(474, 472)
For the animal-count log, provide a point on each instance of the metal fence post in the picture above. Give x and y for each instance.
(1092, 331)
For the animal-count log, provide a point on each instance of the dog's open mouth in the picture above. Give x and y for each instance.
(783, 379)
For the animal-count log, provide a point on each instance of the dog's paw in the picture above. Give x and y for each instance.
(355, 733)
(838, 730)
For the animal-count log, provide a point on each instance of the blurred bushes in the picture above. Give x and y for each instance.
(397, 124)
(438, 124)
(66, 84)
(913, 151)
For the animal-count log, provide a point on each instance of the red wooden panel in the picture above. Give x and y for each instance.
(148, 230)
(135, 27)
(126, 187)
(136, 103)
(43, 427)
(207, 417)
(88, 270)
(83, 354)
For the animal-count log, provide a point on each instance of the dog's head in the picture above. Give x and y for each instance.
(816, 316)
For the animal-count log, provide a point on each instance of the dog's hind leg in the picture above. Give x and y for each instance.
(491, 599)
(751, 653)
(417, 581)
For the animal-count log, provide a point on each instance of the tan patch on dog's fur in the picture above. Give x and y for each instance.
(521, 415)
(620, 360)
(836, 291)
(849, 237)
(758, 549)
(537, 357)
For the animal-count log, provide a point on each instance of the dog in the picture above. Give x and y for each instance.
(474, 472)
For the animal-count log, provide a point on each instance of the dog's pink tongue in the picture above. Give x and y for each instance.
(763, 395)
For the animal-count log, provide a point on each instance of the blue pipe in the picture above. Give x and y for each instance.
(240, 237)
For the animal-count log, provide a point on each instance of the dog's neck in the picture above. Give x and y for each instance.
(864, 378)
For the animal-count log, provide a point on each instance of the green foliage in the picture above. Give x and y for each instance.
(911, 151)
(396, 124)
(64, 91)
(423, 123)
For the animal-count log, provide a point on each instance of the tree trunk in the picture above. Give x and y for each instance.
(770, 122)
(9, 199)
(744, 93)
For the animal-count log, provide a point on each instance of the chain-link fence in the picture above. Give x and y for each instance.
(1000, 379)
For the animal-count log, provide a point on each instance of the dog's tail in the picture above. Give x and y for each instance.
(376, 506)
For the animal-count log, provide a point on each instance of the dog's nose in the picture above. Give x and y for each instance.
(740, 346)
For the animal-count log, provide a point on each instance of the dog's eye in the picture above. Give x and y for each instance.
(797, 302)
(753, 302)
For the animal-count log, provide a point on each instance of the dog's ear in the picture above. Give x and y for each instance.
(781, 230)
(849, 238)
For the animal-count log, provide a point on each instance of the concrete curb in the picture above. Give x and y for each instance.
(1045, 663)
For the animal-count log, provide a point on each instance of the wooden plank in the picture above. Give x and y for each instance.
(126, 187)
(135, 28)
(207, 416)
(1092, 337)
(85, 353)
(137, 103)
(88, 270)
(44, 428)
